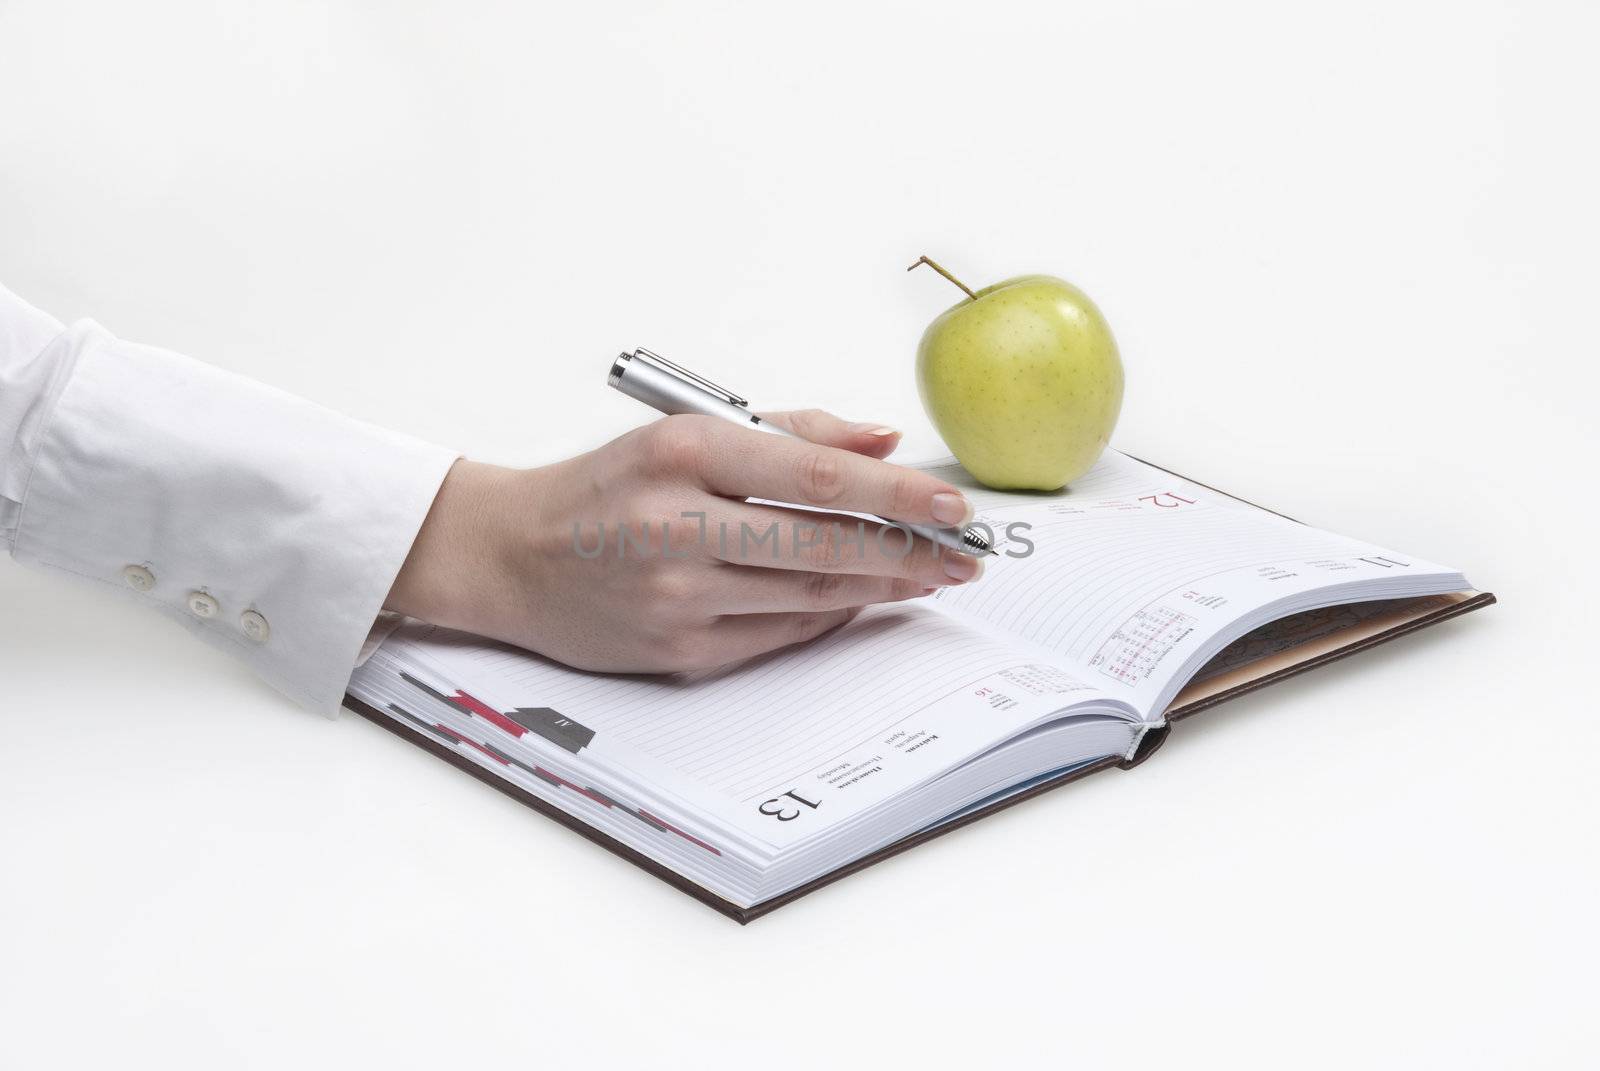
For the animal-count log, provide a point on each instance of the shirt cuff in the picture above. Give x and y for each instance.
(269, 526)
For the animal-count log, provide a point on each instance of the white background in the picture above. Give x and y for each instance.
(1350, 256)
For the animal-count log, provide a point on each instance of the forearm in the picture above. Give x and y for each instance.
(268, 526)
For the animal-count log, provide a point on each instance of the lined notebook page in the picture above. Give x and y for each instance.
(1132, 568)
(772, 718)
(904, 688)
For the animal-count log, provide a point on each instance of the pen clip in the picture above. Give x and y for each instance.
(694, 377)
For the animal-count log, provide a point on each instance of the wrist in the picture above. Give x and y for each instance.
(458, 555)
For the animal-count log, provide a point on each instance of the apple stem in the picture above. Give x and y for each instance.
(935, 266)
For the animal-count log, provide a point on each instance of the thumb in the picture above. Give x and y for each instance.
(825, 429)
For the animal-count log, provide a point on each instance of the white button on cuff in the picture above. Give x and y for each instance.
(255, 626)
(202, 605)
(139, 578)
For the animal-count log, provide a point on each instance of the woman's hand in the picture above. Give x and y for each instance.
(642, 556)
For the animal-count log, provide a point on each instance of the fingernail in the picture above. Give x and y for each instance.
(951, 509)
(962, 567)
(877, 430)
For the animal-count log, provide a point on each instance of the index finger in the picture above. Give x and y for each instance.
(744, 463)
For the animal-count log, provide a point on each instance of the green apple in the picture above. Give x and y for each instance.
(1023, 380)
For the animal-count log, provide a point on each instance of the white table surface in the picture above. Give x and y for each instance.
(1349, 257)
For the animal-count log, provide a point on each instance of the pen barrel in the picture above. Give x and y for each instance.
(670, 394)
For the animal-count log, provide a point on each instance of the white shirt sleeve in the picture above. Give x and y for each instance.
(270, 527)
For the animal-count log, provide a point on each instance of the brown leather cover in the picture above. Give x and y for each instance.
(1397, 619)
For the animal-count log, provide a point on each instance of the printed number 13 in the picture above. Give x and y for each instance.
(775, 808)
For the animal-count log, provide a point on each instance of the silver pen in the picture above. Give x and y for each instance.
(673, 389)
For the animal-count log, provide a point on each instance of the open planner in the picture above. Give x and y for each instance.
(1113, 609)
